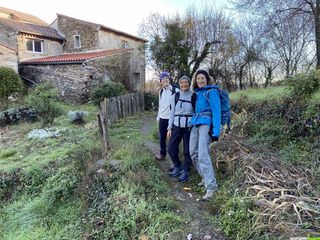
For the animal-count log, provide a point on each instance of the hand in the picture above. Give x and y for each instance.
(169, 133)
(214, 139)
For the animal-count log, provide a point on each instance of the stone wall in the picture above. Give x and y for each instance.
(70, 27)
(8, 58)
(120, 67)
(8, 36)
(76, 81)
(73, 81)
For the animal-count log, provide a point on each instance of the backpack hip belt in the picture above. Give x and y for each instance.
(183, 115)
(204, 114)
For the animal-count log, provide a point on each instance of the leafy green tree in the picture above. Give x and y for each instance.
(10, 83)
(44, 99)
(172, 52)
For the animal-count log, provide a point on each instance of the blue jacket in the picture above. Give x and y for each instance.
(208, 109)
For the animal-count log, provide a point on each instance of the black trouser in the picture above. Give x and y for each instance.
(163, 126)
(178, 134)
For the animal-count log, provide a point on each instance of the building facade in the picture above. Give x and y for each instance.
(73, 54)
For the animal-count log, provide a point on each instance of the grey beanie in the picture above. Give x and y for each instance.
(185, 76)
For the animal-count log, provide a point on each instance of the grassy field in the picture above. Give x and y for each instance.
(50, 188)
(261, 94)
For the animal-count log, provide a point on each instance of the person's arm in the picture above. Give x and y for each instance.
(172, 112)
(215, 106)
(158, 117)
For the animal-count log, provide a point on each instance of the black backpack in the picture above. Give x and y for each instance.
(192, 102)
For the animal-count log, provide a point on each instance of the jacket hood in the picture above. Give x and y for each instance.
(207, 87)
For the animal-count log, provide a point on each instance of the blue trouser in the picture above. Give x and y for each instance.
(200, 155)
(178, 134)
(163, 126)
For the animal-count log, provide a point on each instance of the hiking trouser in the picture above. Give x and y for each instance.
(163, 126)
(200, 155)
(178, 134)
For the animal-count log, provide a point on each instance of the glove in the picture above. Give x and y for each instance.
(214, 139)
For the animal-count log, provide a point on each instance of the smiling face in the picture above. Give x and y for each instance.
(201, 80)
(184, 85)
(165, 82)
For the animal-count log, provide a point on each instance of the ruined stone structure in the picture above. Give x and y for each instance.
(73, 54)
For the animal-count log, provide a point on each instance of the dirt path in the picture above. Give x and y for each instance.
(190, 206)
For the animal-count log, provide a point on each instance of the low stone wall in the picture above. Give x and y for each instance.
(8, 58)
(72, 80)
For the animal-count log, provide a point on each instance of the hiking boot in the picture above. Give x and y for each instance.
(170, 169)
(176, 172)
(184, 177)
(209, 194)
(160, 157)
(200, 184)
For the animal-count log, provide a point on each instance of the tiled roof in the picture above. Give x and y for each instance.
(76, 57)
(23, 16)
(108, 29)
(15, 50)
(29, 28)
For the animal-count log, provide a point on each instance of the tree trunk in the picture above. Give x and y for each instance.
(268, 77)
(317, 31)
(241, 76)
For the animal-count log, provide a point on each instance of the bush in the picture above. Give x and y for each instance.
(77, 117)
(15, 115)
(151, 101)
(10, 83)
(302, 86)
(44, 99)
(107, 90)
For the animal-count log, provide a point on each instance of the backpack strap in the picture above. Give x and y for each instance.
(176, 98)
(193, 101)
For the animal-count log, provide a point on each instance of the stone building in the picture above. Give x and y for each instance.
(73, 54)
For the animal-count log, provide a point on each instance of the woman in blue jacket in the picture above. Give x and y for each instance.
(205, 127)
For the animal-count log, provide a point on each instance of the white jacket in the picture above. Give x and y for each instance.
(165, 100)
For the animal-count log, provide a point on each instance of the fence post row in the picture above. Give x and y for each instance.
(114, 108)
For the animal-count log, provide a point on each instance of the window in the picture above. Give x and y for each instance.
(34, 46)
(125, 44)
(77, 41)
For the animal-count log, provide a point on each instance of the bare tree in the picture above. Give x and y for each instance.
(203, 28)
(119, 69)
(278, 12)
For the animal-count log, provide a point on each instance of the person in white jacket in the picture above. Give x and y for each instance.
(166, 94)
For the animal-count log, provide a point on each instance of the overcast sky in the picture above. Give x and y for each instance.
(123, 15)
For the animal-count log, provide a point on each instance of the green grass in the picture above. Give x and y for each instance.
(24, 152)
(139, 204)
(259, 94)
(39, 179)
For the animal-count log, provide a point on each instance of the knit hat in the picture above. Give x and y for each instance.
(184, 76)
(204, 72)
(164, 75)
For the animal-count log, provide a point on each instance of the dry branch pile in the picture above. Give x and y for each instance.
(284, 198)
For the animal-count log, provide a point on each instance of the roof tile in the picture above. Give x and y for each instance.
(23, 16)
(76, 57)
(30, 28)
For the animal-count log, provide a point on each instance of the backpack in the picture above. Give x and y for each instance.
(173, 90)
(225, 106)
(193, 100)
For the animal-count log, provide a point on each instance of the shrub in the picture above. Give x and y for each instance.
(10, 83)
(107, 90)
(77, 116)
(44, 99)
(302, 86)
(151, 101)
(15, 115)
